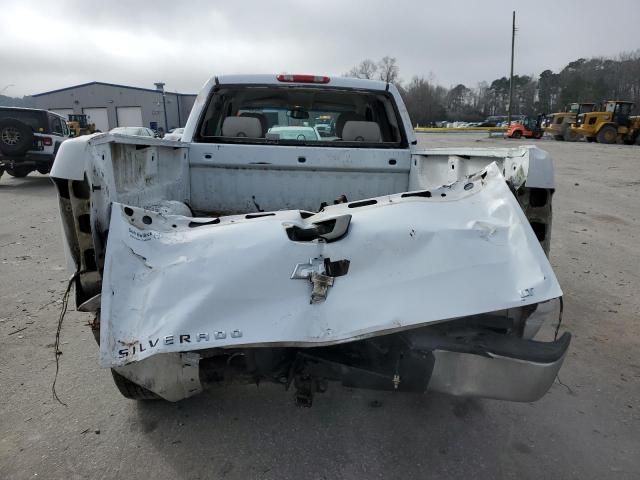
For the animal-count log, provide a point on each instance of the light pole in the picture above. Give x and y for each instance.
(513, 40)
(160, 87)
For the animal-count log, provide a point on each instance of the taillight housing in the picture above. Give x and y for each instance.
(47, 141)
(297, 78)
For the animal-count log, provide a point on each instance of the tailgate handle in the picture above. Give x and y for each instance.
(329, 230)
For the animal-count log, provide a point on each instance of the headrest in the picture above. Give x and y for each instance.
(344, 118)
(356, 131)
(249, 127)
(259, 116)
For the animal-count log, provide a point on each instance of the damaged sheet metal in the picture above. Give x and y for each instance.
(174, 283)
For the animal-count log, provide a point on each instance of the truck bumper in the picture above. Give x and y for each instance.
(513, 376)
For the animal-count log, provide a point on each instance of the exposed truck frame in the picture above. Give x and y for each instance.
(220, 259)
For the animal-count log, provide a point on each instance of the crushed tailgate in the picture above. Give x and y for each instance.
(175, 283)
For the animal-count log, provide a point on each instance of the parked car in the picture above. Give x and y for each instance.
(293, 133)
(175, 134)
(135, 131)
(362, 259)
(323, 129)
(29, 140)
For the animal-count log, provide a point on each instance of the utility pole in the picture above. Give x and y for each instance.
(513, 41)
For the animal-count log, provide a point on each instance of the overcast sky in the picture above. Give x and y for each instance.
(53, 44)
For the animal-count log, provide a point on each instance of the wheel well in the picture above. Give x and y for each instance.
(536, 204)
(608, 124)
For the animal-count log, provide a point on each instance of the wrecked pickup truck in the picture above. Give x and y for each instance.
(262, 248)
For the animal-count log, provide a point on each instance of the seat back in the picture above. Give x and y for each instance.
(358, 131)
(242, 126)
(343, 118)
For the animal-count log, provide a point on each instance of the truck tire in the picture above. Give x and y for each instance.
(18, 171)
(43, 170)
(16, 138)
(132, 390)
(607, 134)
(516, 134)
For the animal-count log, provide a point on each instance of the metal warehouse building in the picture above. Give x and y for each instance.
(109, 105)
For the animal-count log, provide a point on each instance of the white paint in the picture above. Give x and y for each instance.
(414, 261)
(98, 116)
(129, 116)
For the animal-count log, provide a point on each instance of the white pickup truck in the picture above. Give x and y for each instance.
(261, 247)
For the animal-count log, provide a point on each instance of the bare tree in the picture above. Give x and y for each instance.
(388, 69)
(365, 69)
(424, 101)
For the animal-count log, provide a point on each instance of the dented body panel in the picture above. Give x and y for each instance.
(175, 284)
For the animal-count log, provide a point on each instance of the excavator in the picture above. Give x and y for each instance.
(613, 124)
(78, 125)
(558, 124)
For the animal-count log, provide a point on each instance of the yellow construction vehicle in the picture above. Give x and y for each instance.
(611, 125)
(558, 124)
(79, 126)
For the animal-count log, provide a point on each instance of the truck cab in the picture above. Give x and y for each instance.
(263, 247)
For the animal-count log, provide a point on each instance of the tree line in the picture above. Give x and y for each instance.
(583, 80)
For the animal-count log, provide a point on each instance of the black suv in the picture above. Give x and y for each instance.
(29, 140)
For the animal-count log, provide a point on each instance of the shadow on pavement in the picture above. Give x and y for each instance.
(249, 432)
(30, 184)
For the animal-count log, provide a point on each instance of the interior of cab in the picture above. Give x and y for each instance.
(300, 115)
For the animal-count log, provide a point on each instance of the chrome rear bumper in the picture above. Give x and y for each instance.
(514, 377)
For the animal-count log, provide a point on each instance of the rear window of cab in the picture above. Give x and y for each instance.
(273, 114)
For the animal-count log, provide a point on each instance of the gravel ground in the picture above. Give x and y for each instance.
(588, 428)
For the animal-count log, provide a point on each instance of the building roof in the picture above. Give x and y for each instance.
(107, 85)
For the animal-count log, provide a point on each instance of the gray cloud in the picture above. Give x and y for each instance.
(184, 43)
